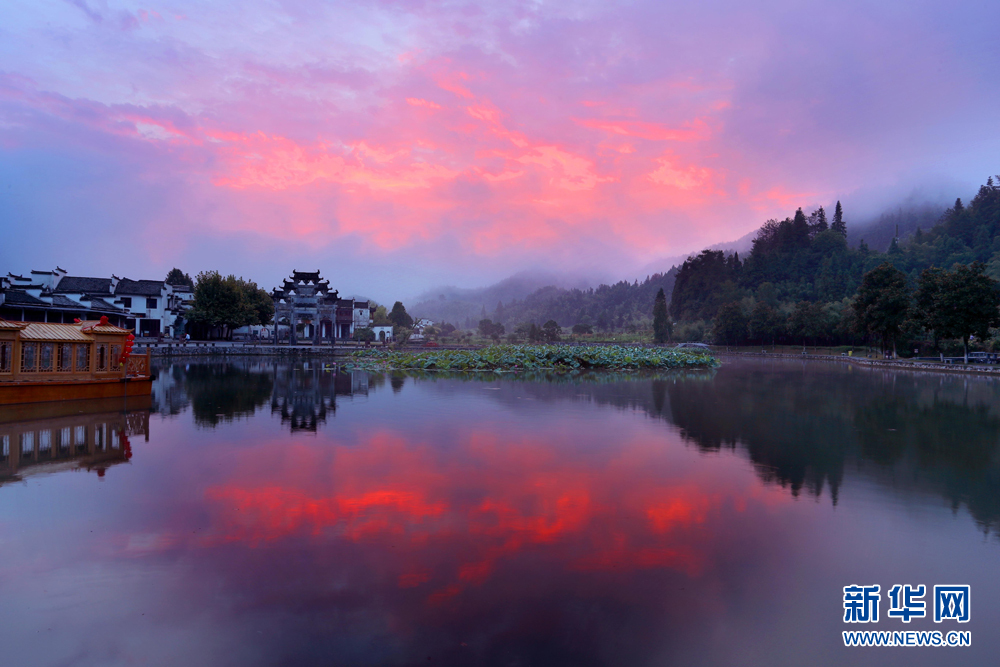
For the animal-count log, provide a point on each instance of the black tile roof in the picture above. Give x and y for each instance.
(96, 303)
(60, 301)
(20, 298)
(80, 285)
(305, 276)
(140, 287)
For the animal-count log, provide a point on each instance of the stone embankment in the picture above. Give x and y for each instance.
(223, 349)
(895, 364)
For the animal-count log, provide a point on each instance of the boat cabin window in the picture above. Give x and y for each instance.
(82, 358)
(6, 350)
(46, 357)
(102, 357)
(65, 358)
(116, 355)
(29, 357)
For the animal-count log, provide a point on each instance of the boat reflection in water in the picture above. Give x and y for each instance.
(87, 435)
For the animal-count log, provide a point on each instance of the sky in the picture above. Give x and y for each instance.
(397, 146)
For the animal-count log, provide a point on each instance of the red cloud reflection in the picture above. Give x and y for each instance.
(454, 518)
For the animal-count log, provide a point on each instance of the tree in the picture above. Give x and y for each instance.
(551, 331)
(703, 283)
(817, 221)
(260, 302)
(927, 300)
(365, 335)
(580, 329)
(807, 321)
(882, 304)
(399, 317)
(765, 322)
(958, 304)
(229, 303)
(838, 221)
(490, 329)
(178, 277)
(730, 325)
(381, 318)
(661, 321)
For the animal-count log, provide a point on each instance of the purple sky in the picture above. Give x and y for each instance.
(401, 145)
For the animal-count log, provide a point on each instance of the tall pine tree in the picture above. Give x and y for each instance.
(821, 225)
(661, 322)
(838, 221)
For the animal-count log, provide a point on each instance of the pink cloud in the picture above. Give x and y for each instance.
(695, 130)
(418, 102)
(609, 137)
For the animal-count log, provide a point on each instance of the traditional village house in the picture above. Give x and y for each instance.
(150, 307)
(52, 296)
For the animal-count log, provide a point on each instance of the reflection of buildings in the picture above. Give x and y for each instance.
(304, 394)
(87, 435)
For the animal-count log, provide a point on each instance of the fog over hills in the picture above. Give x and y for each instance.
(464, 305)
(456, 304)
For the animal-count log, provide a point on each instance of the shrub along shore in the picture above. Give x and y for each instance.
(514, 358)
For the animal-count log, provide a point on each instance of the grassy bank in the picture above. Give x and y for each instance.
(513, 358)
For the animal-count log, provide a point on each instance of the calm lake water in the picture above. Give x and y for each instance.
(274, 514)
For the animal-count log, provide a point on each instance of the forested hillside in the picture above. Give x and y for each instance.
(801, 275)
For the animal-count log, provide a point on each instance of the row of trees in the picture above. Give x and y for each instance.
(955, 304)
(948, 304)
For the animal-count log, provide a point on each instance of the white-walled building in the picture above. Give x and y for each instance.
(151, 307)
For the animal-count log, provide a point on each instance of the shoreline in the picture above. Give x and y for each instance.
(211, 350)
(864, 362)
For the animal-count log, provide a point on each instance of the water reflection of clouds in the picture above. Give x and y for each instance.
(456, 516)
(601, 523)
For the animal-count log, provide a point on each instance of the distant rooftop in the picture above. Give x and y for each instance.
(81, 285)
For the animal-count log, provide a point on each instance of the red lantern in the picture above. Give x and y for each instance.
(127, 348)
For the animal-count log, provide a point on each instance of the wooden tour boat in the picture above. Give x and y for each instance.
(42, 362)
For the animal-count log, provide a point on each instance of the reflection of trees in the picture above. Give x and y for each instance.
(801, 426)
(803, 423)
(169, 396)
(223, 392)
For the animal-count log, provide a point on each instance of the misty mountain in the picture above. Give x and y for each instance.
(741, 245)
(456, 304)
(623, 306)
(903, 221)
